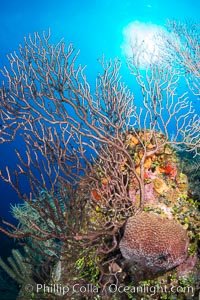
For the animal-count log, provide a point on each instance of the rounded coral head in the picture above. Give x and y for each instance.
(154, 242)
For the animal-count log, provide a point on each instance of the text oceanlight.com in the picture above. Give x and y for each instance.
(113, 288)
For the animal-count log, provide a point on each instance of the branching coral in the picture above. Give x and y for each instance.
(27, 214)
(18, 268)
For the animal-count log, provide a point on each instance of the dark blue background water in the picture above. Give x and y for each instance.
(94, 26)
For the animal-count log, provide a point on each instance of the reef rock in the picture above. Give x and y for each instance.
(154, 242)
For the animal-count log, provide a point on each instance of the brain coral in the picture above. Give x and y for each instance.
(154, 242)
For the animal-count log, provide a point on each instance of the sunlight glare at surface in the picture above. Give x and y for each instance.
(143, 41)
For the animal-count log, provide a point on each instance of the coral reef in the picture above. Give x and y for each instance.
(148, 246)
(107, 205)
(157, 246)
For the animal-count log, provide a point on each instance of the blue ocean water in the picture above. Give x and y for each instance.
(95, 27)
